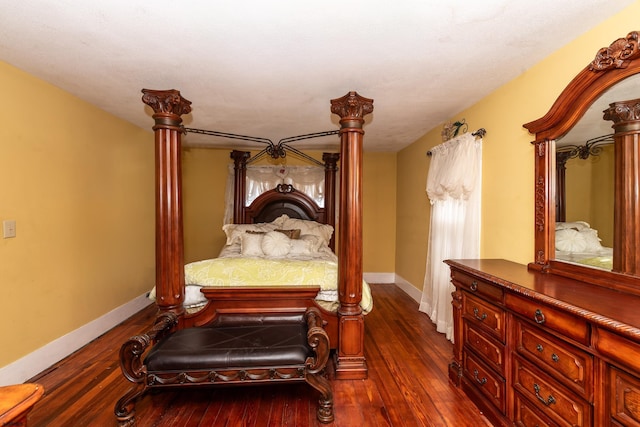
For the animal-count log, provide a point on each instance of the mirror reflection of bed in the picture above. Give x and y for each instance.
(577, 242)
(585, 184)
(584, 225)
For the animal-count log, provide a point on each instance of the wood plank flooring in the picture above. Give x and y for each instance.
(407, 385)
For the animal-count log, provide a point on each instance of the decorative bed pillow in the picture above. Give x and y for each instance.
(292, 234)
(303, 247)
(592, 240)
(314, 242)
(577, 225)
(235, 231)
(324, 231)
(300, 247)
(275, 244)
(251, 244)
(570, 240)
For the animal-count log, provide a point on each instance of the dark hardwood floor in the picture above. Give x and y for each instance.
(407, 385)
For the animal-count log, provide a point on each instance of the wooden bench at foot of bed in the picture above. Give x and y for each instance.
(248, 300)
(235, 349)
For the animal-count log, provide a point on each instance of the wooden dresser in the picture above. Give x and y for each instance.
(534, 349)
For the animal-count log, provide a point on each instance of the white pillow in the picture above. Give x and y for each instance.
(235, 231)
(324, 231)
(280, 220)
(303, 247)
(314, 242)
(275, 244)
(251, 244)
(578, 225)
(592, 240)
(570, 240)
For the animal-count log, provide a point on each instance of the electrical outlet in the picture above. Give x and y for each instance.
(8, 228)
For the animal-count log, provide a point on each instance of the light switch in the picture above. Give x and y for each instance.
(9, 228)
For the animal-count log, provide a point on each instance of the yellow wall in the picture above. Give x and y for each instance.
(589, 192)
(379, 212)
(205, 173)
(602, 191)
(79, 184)
(507, 188)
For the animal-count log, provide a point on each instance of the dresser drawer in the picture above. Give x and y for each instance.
(548, 317)
(526, 415)
(566, 363)
(487, 347)
(559, 404)
(617, 348)
(625, 397)
(477, 286)
(490, 384)
(484, 314)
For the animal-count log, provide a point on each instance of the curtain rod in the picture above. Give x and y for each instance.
(480, 133)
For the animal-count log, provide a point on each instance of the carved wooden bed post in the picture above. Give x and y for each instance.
(350, 362)
(330, 168)
(168, 107)
(239, 181)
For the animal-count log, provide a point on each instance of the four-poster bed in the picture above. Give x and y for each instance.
(282, 238)
(344, 327)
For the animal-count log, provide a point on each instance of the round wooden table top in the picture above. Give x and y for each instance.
(17, 400)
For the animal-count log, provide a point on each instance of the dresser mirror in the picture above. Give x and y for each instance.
(596, 119)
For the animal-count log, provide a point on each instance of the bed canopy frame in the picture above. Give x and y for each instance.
(346, 327)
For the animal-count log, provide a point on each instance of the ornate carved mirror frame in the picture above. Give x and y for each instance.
(611, 65)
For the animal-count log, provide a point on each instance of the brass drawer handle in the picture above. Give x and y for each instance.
(554, 356)
(549, 401)
(474, 286)
(478, 380)
(480, 318)
(538, 316)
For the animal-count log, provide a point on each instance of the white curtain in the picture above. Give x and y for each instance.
(306, 179)
(454, 190)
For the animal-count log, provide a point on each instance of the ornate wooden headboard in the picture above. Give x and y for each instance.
(284, 199)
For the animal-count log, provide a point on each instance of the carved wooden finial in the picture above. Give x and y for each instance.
(352, 107)
(623, 111)
(331, 160)
(166, 101)
(240, 158)
(618, 54)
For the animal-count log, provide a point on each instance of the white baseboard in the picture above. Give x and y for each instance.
(379, 277)
(41, 359)
(409, 289)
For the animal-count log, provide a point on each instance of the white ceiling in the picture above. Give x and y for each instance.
(269, 68)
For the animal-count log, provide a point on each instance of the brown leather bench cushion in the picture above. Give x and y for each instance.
(240, 342)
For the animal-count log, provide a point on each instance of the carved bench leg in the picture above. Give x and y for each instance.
(325, 403)
(133, 368)
(125, 408)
